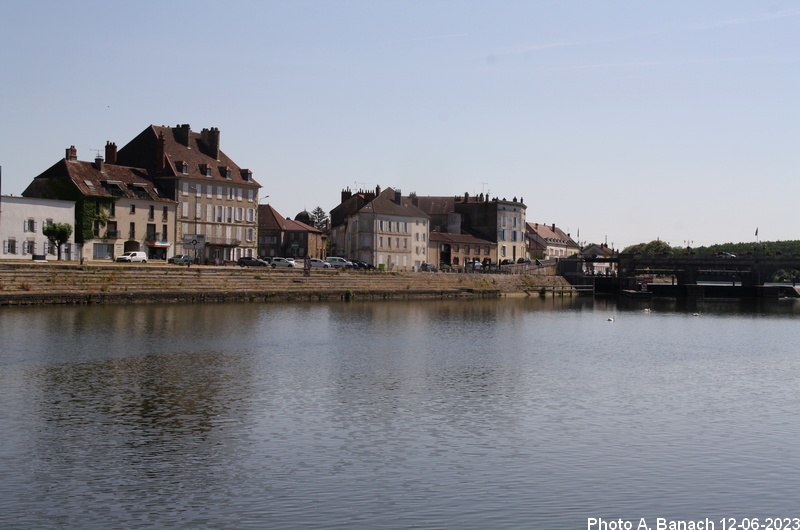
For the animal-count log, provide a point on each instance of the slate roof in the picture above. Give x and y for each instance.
(384, 204)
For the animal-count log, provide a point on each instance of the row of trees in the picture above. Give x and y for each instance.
(766, 248)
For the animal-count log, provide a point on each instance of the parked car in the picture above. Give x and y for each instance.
(524, 260)
(507, 261)
(725, 255)
(282, 262)
(428, 267)
(132, 257)
(318, 263)
(339, 263)
(251, 262)
(180, 259)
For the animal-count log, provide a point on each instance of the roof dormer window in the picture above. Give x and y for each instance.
(205, 170)
(225, 171)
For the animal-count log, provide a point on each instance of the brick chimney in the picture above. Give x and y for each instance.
(346, 194)
(182, 134)
(210, 138)
(160, 148)
(111, 153)
(98, 162)
(71, 154)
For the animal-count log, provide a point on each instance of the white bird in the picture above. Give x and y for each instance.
(646, 309)
(695, 314)
(610, 319)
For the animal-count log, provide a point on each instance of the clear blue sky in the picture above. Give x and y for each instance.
(626, 120)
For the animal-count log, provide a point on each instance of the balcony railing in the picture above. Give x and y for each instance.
(112, 234)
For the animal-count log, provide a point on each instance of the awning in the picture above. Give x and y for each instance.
(158, 244)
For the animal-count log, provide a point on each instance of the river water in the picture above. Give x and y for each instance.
(510, 413)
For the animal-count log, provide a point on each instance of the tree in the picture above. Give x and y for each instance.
(58, 234)
(320, 218)
(653, 248)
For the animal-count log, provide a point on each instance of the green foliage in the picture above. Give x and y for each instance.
(319, 217)
(653, 248)
(86, 214)
(58, 234)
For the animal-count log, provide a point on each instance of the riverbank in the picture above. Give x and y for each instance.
(25, 283)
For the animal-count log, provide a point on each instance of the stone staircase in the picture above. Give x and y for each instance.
(69, 283)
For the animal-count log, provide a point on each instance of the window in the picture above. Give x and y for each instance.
(185, 190)
(397, 242)
(219, 192)
(230, 193)
(151, 213)
(184, 209)
(416, 236)
(228, 214)
(380, 242)
(164, 233)
(133, 209)
(29, 225)
(405, 242)
(239, 194)
(10, 246)
(112, 209)
(102, 250)
(503, 251)
(380, 226)
(198, 211)
(249, 195)
(164, 213)
(132, 234)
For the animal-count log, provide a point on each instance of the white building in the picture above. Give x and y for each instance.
(379, 229)
(22, 220)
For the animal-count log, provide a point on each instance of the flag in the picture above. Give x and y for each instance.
(756, 231)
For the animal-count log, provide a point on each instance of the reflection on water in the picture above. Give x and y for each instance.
(470, 414)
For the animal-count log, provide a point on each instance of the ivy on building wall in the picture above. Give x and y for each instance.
(86, 213)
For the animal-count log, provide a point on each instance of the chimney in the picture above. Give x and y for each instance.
(72, 153)
(98, 162)
(111, 153)
(160, 147)
(210, 138)
(466, 196)
(182, 134)
(554, 227)
(346, 194)
(377, 190)
(398, 195)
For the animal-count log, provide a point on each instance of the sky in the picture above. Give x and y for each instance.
(619, 121)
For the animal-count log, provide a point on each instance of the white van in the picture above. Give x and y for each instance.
(133, 256)
(339, 263)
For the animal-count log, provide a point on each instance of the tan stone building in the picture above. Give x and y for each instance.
(117, 209)
(284, 237)
(217, 201)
